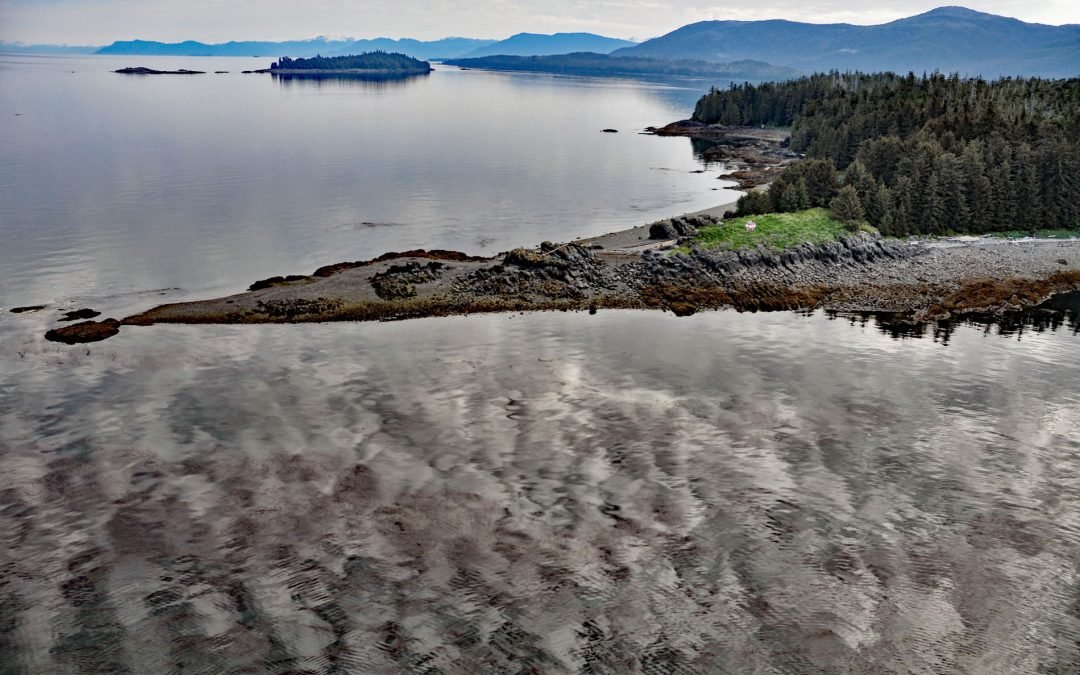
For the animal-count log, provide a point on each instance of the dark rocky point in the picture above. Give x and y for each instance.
(275, 281)
(87, 331)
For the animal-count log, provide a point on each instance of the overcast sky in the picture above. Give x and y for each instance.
(102, 21)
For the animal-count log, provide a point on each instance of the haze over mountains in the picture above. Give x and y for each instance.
(948, 39)
(420, 49)
(533, 44)
(522, 44)
(21, 48)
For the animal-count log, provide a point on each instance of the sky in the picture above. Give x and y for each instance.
(94, 22)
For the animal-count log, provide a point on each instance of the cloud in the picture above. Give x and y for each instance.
(102, 21)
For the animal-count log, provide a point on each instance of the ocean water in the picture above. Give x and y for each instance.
(113, 184)
(628, 492)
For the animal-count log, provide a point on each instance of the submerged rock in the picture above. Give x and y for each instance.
(87, 331)
(27, 309)
(84, 313)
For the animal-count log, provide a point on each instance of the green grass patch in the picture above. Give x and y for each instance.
(777, 231)
(1042, 234)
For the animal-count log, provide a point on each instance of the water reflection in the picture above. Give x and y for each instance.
(1060, 312)
(626, 492)
(373, 81)
(209, 182)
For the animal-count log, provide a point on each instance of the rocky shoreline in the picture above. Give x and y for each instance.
(753, 155)
(918, 281)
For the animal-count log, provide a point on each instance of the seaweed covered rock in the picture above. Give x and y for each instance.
(399, 281)
(567, 271)
(87, 331)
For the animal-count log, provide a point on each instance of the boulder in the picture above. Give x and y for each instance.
(87, 331)
(662, 230)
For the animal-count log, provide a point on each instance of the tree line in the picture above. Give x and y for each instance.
(377, 60)
(919, 155)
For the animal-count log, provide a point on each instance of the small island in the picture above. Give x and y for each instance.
(150, 71)
(370, 63)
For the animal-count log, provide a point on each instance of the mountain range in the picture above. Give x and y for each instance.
(533, 44)
(21, 48)
(522, 44)
(947, 39)
(419, 49)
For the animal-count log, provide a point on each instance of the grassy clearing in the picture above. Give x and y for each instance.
(1042, 234)
(777, 231)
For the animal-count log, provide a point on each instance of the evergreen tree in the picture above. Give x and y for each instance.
(846, 207)
(925, 155)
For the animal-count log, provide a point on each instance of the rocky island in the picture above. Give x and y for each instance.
(150, 71)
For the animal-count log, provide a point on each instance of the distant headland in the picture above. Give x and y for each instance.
(150, 71)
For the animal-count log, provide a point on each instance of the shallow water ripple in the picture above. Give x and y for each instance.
(549, 493)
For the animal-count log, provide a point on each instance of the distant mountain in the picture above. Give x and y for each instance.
(436, 49)
(20, 48)
(586, 63)
(535, 44)
(948, 39)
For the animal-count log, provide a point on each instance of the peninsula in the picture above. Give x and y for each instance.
(853, 203)
(683, 265)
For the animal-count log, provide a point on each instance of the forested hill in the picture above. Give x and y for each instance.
(380, 61)
(931, 154)
(586, 63)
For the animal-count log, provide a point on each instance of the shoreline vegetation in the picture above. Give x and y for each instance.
(858, 182)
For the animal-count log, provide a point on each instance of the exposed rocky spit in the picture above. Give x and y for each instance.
(918, 280)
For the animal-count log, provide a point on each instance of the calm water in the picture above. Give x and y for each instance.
(112, 184)
(550, 493)
(627, 492)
